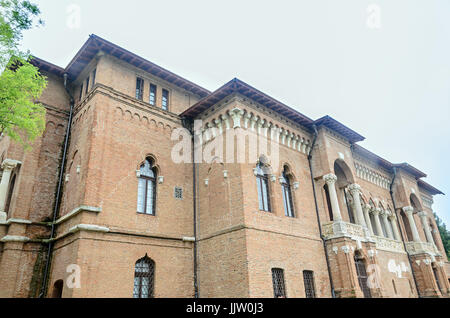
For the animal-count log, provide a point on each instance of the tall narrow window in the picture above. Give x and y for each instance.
(94, 74)
(287, 194)
(10, 193)
(147, 189)
(279, 289)
(349, 205)
(81, 91)
(144, 276)
(87, 86)
(139, 88)
(262, 183)
(165, 99)
(436, 276)
(152, 94)
(362, 276)
(308, 279)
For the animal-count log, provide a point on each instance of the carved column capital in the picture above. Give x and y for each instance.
(9, 164)
(330, 179)
(408, 210)
(422, 214)
(354, 189)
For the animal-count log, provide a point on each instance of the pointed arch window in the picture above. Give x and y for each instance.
(287, 193)
(144, 276)
(262, 183)
(147, 188)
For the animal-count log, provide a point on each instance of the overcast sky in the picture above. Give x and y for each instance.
(380, 67)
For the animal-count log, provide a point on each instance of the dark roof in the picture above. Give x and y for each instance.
(238, 86)
(388, 165)
(48, 67)
(96, 44)
(343, 130)
(428, 187)
(414, 171)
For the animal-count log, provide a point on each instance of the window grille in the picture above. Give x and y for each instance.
(308, 279)
(279, 289)
(144, 275)
(178, 193)
(362, 276)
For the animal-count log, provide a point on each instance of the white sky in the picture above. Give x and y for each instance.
(390, 84)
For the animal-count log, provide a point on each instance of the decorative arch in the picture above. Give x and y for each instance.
(340, 164)
(344, 179)
(415, 203)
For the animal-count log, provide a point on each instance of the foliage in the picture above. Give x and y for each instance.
(20, 82)
(445, 234)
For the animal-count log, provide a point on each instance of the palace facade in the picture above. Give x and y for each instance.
(99, 207)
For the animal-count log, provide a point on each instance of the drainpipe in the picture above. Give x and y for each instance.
(391, 191)
(58, 193)
(188, 124)
(317, 211)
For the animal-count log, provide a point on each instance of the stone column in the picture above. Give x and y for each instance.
(367, 217)
(409, 213)
(331, 179)
(387, 225)
(8, 166)
(354, 191)
(392, 218)
(426, 227)
(376, 214)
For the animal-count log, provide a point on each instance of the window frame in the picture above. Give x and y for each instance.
(279, 283)
(165, 92)
(148, 179)
(286, 190)
(141, 274)
(263, 196)
(139, 88)
(155, 94)
(310, 286)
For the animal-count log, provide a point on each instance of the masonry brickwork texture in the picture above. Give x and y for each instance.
(237, 246)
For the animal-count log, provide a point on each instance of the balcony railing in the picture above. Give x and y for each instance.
(341, 228)
(386, 244)
(414, 248)
(357, 232)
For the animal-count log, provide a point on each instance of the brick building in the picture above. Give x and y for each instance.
(100, 208)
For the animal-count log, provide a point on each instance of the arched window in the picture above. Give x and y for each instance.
(287, 194)
(262, 183)
(144, 276)
(147, 188)
(58, 289)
